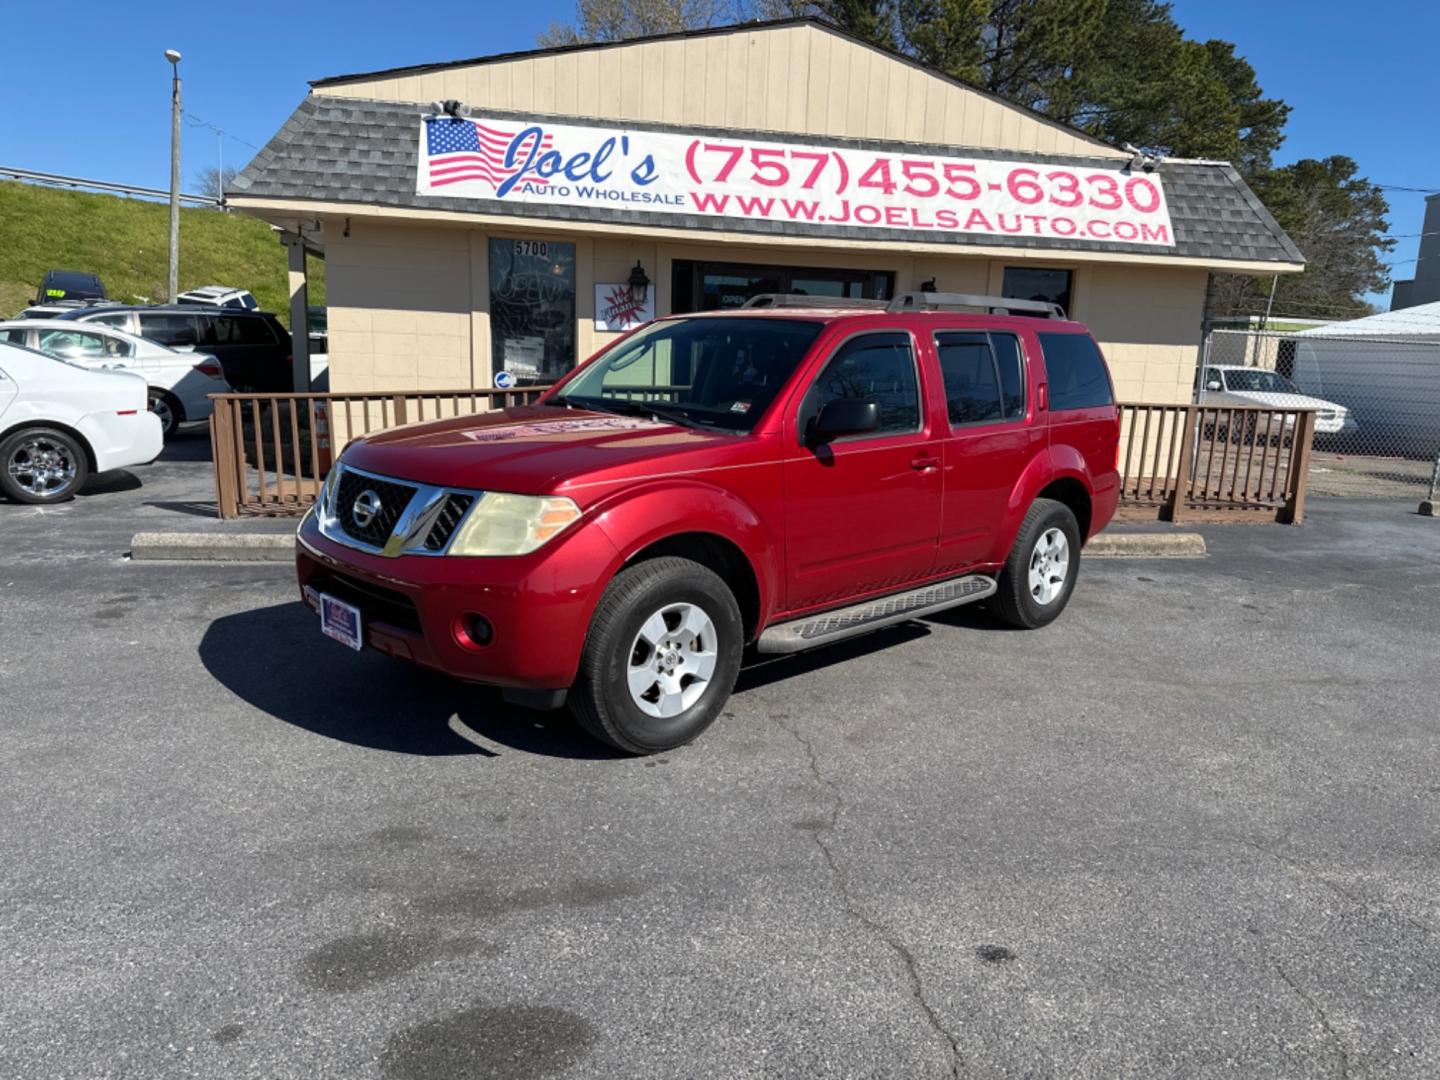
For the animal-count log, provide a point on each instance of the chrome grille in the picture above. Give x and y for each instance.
(446, 521)
(393, 498)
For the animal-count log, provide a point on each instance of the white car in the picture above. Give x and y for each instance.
(59, 422)
(1234, 385)
(180, 381)
(219, 296)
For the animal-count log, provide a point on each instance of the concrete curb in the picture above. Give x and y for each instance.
(1177, 545)
(212, 547)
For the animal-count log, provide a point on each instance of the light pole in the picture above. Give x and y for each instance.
(173, 55)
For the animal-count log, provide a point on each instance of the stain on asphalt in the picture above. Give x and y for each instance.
(518, 1042)
(228, 1034)
(994, 954)
(358, 961)
(810, 824)
(485, 901)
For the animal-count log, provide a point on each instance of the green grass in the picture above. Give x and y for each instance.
(126, 242)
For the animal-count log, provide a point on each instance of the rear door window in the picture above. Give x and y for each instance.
(984, 377)
(1076, 372)
(170, 328)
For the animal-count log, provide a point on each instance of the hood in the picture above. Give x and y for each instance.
(529, 450)
(1276, 400)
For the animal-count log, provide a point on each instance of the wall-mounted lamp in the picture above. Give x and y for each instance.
(449, 107)
(927, 286)
(639, 284)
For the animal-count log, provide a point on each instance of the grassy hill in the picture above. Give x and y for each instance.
(126, 242)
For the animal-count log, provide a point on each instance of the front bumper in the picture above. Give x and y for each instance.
(416, 607)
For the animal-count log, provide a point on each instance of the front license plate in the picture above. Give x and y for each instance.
(340, 621)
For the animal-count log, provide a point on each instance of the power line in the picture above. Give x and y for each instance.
(195, 121)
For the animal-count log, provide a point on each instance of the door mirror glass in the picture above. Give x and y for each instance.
(845, 417)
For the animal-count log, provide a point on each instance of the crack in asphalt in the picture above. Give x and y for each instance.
(858, 913)
(1342, 1058)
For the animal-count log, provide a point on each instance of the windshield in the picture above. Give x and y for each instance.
(706, 372)
(1255, 380)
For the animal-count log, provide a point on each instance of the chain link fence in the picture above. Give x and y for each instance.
(1377, 401)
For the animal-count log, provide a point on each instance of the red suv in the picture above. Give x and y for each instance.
(777, 476)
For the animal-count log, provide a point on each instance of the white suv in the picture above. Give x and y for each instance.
(219, 296)
(180, 381)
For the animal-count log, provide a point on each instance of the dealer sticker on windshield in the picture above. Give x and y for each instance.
(340, 621)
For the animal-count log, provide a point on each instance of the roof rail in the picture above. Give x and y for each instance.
(994, 305)
(800, 300)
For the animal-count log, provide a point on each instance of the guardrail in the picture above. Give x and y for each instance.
(272, 451)
(1179, 460)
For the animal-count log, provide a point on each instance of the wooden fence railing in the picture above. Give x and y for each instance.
(1179, 460)
(272, 451)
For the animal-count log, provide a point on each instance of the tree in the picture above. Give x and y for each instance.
(213, 181)
(616, 20)
(1338, 221)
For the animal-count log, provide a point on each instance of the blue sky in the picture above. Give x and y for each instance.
(1363, 87)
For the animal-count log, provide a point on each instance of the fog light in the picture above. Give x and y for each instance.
(473, 631)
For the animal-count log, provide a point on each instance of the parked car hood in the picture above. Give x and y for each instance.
(533, 449)
(1272, 399)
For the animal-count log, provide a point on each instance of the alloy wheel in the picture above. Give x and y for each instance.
(1049, 566)
(42, 467)
(672, 660)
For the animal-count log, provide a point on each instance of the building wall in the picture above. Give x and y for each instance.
(796, 79)
(408, 304)
(1424, 287)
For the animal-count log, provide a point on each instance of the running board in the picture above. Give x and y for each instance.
(828, 626)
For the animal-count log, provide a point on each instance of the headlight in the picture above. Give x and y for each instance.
(513, 524)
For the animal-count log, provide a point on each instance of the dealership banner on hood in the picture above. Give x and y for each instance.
(674, 173)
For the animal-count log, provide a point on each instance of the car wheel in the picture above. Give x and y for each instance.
(42, 465)
(1040, 573)
(164, 405)
(661, 656)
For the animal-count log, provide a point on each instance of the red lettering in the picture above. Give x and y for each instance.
(1037, 223)
(894, 215)
(867, 214)
(707, 203)
(947, 219)
(1095, 229)
(1063, 226)
(978, 220)
(1126, 230)
(1019, 223)
(918, 222)
(795, 209)
(1160, 234)
(753, 207)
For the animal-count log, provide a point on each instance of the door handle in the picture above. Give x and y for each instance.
(924, 463)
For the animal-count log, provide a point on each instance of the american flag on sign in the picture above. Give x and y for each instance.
(458, 150)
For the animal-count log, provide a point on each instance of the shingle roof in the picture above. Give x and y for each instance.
(348, 150)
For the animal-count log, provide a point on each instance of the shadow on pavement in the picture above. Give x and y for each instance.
(276, 659)
(195, 509)
(190, 443)
(107, 483)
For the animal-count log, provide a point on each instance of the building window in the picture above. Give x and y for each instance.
(1038, 283)
(532, 309)
(716, 286)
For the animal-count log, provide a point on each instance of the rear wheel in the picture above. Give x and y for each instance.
(1040, 573)
(661, 656)
(42, 465)
(165, 406)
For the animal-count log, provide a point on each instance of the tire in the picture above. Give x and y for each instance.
(1028, 602)
(645, 627)
(166, 406)
(42, 465)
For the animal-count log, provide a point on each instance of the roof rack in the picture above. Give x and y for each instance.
(993, 305)
(800, 300)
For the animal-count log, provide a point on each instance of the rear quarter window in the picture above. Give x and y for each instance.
(1076, 372)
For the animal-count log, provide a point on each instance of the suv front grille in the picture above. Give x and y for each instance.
(393, 499)
(449, 517)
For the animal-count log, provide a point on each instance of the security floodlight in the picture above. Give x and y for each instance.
(173, 55)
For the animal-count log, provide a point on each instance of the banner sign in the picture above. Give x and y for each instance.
(673, 173)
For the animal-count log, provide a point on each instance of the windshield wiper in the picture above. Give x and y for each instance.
(672, 413)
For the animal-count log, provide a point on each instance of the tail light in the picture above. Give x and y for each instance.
(209, 368)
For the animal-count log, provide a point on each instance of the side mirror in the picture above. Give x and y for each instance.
(1213, 385)
(844, 417)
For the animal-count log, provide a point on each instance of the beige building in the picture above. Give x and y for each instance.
(490, 231)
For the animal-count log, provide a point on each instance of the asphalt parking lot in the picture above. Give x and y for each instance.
(1189, 830)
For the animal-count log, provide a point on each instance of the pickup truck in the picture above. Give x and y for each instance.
(775, 478)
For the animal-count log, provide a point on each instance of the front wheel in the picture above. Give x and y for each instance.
(42, 465)
(1040, 573)
(661, 656)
